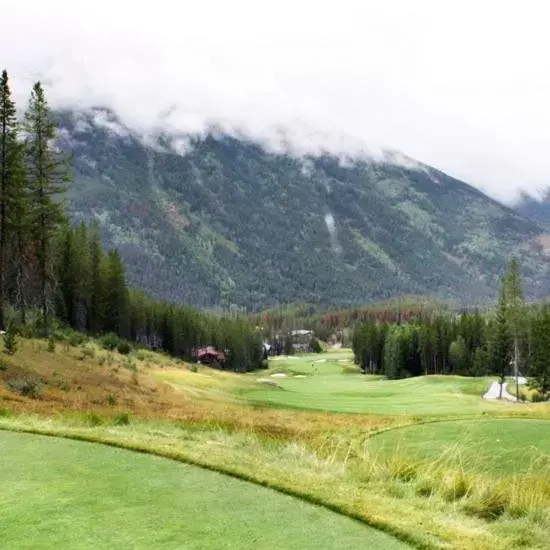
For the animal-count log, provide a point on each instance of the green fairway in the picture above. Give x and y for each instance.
(58, 493)
(330, 382)
(500, 446)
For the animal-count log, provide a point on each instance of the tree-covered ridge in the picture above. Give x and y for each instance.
(63, 272)
(225, 222)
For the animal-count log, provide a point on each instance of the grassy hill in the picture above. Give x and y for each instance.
(419, 459)
(226, 222)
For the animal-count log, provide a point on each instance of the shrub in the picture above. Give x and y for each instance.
(315, 346)
(124, 347)
(194, 367)
(110, 341)
(111, 400)
(75, 338)
(93, 419)
(10, 342)
(3, 364)
(26, 387)
(88, 351)
(51, 344)
(121, 419)
(489, 503)
(141, 355)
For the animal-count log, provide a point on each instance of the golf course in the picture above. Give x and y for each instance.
(308, 453)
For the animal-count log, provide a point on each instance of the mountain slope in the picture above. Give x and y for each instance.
(223, 221)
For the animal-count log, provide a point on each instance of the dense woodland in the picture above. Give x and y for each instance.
(53, 274)
(514, 336)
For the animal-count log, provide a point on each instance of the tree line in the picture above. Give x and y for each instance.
(511, 340)
(63, 273)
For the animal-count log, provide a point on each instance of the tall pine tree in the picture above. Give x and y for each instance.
(47, 174)
(11, 183)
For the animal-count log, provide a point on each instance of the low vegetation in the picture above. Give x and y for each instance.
(398, 468)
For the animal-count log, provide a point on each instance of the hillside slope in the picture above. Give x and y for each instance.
(225, 222)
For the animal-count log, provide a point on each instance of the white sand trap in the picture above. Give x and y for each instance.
(321, 361)
(300, 376)
(494, 392)
(278, 375)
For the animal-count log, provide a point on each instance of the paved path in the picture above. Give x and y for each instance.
(494, 392)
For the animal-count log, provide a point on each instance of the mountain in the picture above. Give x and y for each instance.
(220, 220)
(535, 209)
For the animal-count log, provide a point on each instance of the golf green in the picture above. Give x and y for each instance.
(59, 493)
(501, 446)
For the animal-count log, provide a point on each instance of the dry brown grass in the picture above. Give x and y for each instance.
(97, 381)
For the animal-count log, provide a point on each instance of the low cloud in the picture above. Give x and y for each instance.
(459, 85)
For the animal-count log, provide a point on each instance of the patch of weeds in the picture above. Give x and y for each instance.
(395, 490)
(141, 355)
(101, 360)
(111, 400)
(425, 487)
(76, 339)
(194, 367)
(93, 419)
(4, 412)
(3, 364)
(64, 387)
(487, 503)
(26, 387)
(122, 419)
(455, 486)
(51, 345)
(87, 351)
(135, 380)
(129, 364)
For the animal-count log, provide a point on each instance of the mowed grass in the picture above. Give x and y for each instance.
(500, 446)
(72, 494)
(330, 382)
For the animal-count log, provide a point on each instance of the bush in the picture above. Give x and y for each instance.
(110, 341)
(122, 419)
(87, 351)
(111, 400)
(92, 419)
(193, 367)
(3, 364)
(51, 344)
(124, 347)
(26, 387)
(10, 342)
(315, 346)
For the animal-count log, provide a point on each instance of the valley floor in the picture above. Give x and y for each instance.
(426, 460)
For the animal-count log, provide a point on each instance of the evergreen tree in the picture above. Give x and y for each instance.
(499, 352)
(11, 182)
(515, 302)
(116, 296)
(47, 176)
(540, 352)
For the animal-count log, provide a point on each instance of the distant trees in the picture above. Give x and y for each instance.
(467, 343)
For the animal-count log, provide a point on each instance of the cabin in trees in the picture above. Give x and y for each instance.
(209, 355)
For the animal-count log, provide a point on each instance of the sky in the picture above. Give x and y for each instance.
(461, 85)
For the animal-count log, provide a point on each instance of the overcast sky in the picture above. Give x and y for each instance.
(462, 85)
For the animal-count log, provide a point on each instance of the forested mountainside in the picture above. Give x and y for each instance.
(218, 220)
(537, 209)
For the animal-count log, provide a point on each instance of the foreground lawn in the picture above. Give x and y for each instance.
(71, 494)
(503, 446)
